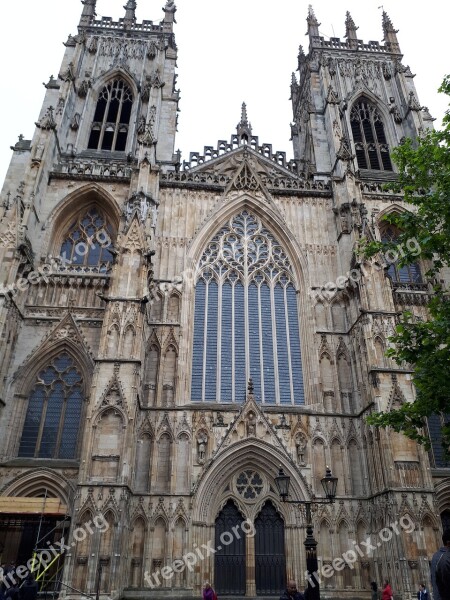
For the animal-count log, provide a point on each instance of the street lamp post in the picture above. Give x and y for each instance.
(329, 484)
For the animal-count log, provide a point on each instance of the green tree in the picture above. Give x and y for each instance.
(424, 182)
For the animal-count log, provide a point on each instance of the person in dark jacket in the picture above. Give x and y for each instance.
(29, 588)
(440, 570)
(422, 594)
(12, 593)
(291, 592)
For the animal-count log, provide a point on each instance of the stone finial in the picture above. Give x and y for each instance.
(250, 386)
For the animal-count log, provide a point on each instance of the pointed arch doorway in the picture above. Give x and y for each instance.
(229, 560)
(270, 557)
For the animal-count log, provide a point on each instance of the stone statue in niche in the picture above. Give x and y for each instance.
(300, 444)
(251, 423)
(202, 440)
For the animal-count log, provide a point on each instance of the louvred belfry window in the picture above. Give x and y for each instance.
(52, 422)
(371, 147)
(112, 117)
(246, 319)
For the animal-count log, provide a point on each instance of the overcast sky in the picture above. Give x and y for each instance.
(229, 52)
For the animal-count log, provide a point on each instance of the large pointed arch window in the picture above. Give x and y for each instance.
(112, 117)
(246, 318)
(53, 418)
(88, 242)
(372, 150)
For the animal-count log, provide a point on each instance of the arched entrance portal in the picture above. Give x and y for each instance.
(270, 559)
(230, 572)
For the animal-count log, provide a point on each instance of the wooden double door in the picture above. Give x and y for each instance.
(232, 560)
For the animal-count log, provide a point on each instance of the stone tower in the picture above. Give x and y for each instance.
(175, 331)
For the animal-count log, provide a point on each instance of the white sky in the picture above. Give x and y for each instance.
(229, 52)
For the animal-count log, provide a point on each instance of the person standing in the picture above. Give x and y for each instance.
(29, 588)
(422, 594)
(208, 592)
(387, 591)
(291, 592)
(440, 570)
(374, 590)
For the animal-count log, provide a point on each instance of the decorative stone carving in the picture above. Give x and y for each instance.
(47, 122)
(75, 122)
(84, 88)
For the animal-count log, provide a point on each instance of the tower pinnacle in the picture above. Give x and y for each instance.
(390, 34)
(244, 128)
(88, 13)
(313, 23)
(350, 27)
(130, 13)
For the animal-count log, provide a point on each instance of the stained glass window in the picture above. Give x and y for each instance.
(112, 117)
(52, 422)
(372, 150)
(246, 319)
(88, 242)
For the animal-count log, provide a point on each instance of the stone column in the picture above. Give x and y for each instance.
(250, 589)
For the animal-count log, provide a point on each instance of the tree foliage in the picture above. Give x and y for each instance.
(424, 181)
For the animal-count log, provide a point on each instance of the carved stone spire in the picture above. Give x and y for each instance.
(350, 28)
(244, 128)
(313, 23)
(390, 34)
(88, 14)
(130, 13)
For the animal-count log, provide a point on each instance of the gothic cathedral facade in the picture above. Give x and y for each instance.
(186, 327)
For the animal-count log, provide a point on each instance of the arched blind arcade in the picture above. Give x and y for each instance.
(372, 150)
(53, 417)
(112, 117)
(246, 319)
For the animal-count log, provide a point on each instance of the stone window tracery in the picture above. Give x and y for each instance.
(372, 149)
(246, 318)
(52, 422)
(249, 484)
(88, 242)
(112, 117)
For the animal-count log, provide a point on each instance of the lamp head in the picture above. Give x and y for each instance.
(329, 484)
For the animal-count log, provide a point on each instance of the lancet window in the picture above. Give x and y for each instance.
(112, 117)
(52, 422)
(372, 150)
(246, 318)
